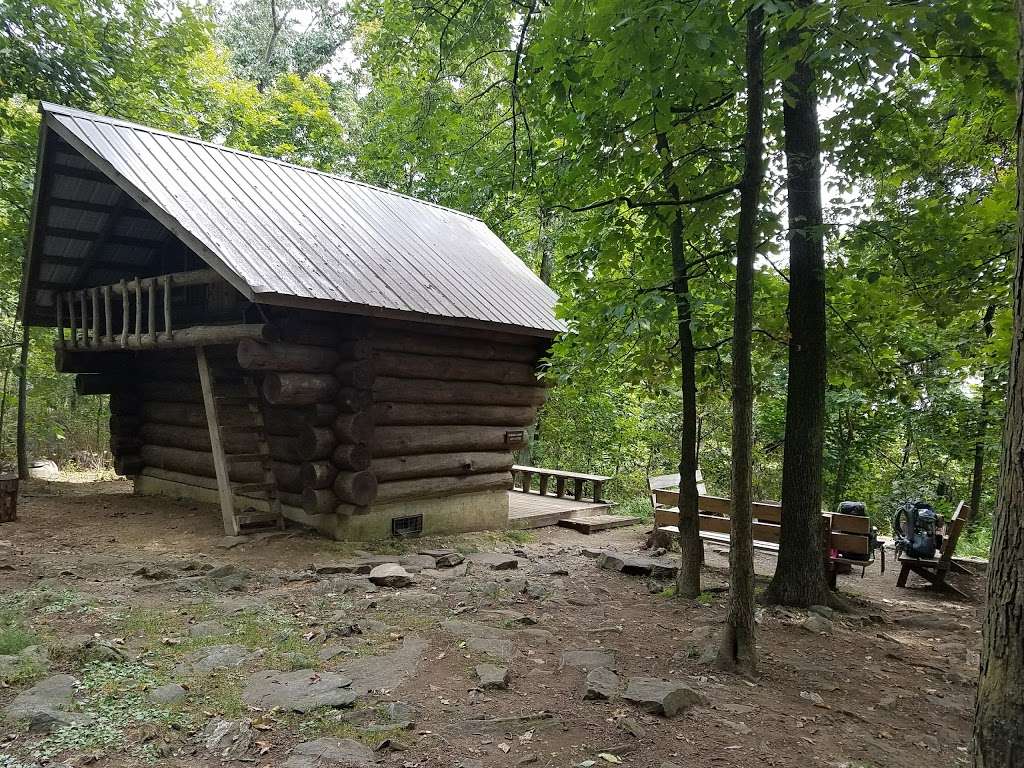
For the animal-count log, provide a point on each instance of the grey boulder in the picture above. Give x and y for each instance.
(661, 697)
(47, 705)
(390, 575)
(492, 676)
(298, 691)
(588, 658)
(602, 684)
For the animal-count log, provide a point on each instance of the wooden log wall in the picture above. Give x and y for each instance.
(450, 407)
(356, 411)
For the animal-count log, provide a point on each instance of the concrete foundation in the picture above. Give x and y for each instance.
(481, 511)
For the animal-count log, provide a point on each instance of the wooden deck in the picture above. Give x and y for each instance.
(531, 510)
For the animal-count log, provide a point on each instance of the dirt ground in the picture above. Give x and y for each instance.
(113, 585)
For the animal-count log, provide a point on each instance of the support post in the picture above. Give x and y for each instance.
(94, 296)
(108, 316)
(71, 315)
(60, 318)
(151, 311)
(168, 329)
(138, 307)
(125, 315)
(85, 318)
(220, 464)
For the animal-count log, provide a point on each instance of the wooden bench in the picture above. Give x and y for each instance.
(670, 483)
(523, 476)
(839, 533)
(935, 570)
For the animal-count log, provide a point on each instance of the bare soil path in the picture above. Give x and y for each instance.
(135, 597)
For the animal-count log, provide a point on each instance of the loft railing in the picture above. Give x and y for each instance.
(91, 312)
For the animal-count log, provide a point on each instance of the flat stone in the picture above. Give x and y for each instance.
(215, 657)
(298, 691)
(817, 624)
(418, 561)
(491, 676)
(207, 629)
(47, 705)
(634, 565)
(590, 658)
(497, 647)
(228, 739)
(822, 610)
(592, 553)
(602, 684)
(495, 561)
(448, 559)
(661, 697)
(328, 752)
(446, 574)
(387, 672)
(390, 575)
(167, 695)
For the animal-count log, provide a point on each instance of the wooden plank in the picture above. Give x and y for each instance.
(560, 473)
(594, 523)
(857, 524)
(849, 542)
(227, 509)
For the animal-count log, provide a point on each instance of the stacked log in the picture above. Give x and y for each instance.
(325, 368)
(125, 421)
(450, 406)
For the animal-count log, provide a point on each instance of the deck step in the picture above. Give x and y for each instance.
(595, 523)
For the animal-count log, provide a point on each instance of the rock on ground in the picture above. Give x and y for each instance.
(207, 629)
(495, 561)
(492, 676)
(817, 624)
(637, 566)
(497, 647)
(166, 695)
(387, 672)
(390, 575)
(661, 697)
(590, 658)
(601, 685)
(215, 657)
(298, 691)
(228, 739)
(47, 705)
(330, 752)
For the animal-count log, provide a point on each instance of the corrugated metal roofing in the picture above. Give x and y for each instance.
(282, 233)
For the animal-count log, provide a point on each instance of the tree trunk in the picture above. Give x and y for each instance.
(690, 545)
(999, 711)
(22, 448)
(978, 473)
(799, 574)
(739, 648)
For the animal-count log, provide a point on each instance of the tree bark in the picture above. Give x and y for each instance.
(21, 447)
(690, 545)
(738, 650)
(800, 574)
(978, 471)
(999, 710)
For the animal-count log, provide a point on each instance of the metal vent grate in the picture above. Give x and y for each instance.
(405, 527)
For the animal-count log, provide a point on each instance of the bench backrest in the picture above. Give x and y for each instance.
(845, 533)
(670, 484)
(960, 518)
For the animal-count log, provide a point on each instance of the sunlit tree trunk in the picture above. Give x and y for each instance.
(799, 574)
(739, 649)
(999, 712)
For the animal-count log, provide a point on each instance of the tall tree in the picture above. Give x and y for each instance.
(739, 648)
(999, 711)
(799, 575)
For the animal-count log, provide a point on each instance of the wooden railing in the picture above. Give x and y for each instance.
(89, 313)
(524, 476)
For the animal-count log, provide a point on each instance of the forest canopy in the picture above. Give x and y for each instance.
(576, 131)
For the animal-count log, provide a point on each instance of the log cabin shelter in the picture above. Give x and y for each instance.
(284, 342)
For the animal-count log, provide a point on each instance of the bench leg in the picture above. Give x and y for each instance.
(957, 568)
(578, 490)
(904, 573)
(559, 487)
(598, 490)
(544, 484)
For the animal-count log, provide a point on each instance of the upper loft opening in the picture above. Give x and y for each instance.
(89, 232)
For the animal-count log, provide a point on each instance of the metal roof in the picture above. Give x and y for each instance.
(280, 233)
